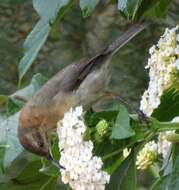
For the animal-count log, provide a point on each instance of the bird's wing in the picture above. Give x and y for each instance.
(71, 76)
(64, 81)
(100, 58)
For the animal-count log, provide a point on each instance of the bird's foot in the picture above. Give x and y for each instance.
(143, 117)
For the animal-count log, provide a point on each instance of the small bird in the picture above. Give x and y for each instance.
(80, 83)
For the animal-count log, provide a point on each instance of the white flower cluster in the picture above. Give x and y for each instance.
(82, 170)
(147, 155)
(163, 65)
(151, 150)
(164, 146)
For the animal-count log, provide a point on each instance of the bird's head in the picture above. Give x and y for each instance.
(31, 134)
(33, 141)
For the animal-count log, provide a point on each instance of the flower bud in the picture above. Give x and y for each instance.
(102, 128)
(126, 152)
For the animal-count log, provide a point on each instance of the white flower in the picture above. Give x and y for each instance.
(147, 155)
(164, 146)
(126, 152)
(163, 65)
(82, 169)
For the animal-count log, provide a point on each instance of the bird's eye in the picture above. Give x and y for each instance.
(39, 139)
(40, 143)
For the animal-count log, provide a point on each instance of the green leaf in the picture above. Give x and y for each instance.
(159, 9)
(37, 81)
(3, 99)
(8, 125)
(170, 181)
(121, 128)
(41, 183)
(124, 178)
(161, 184)
(91, 119)
(129, 8)
(168, 108)
(12, 106)
(17, 166)
(32, 45)
(87, 6)
(114, 163)
(8, 136)
(174, 179)
(30, 179)
(14, 102)
(48, 10)
(48, 168)
(135, 9)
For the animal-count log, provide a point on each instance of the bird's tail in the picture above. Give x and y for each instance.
(124, 38)
(98, 59)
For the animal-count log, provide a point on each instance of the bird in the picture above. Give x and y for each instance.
(80, 83)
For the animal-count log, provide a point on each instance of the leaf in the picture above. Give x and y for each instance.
(14, 102)
(159, 9)
(87, 6)
(135, 9)
(91, 119)
(3, 99)
(121, 128)
(37, 81)
(161, 184)
(42, 183)
(32, 45)
(168, 108)
(30, 179)
(174, 179)
(12, 106)
(17, 166)
(129, 7)
(8, 125)
(114, 163)
(48, 168)
(124, 178)
(8, 137)
(170, 181)
(48, 10)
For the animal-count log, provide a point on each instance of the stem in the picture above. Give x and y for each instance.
(167, 126)
(148, 136)
(161, 126)
(112, 154)
(134, 117)
(4, 146)
(47, 183)
(155, 171)
(174, 138)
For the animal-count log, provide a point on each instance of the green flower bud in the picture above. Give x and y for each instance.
(102, 128)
